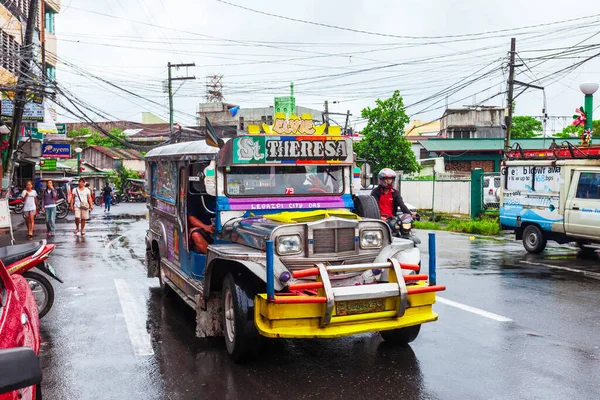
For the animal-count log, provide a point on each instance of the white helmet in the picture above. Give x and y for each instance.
(387, 173)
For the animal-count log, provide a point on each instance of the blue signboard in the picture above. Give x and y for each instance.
(56, 150)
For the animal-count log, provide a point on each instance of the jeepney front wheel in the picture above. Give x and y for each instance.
(402, 336)
(241, 337)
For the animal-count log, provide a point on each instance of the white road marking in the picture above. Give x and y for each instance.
(590, 274)
(135, 318)
(473, 310)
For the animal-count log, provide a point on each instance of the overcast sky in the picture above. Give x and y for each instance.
(259, 55)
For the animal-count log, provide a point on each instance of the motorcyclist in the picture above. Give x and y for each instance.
(387, 197)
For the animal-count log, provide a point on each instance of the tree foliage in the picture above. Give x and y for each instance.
(94, 138)
(383, 142)
(525, 127)
(576, 131)
(124, 174)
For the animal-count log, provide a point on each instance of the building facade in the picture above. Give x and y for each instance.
(478, 122)
(13, 21)
(218, 114)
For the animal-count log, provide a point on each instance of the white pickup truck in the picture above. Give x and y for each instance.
(552, 198)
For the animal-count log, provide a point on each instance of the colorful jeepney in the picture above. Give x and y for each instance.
(296, 253)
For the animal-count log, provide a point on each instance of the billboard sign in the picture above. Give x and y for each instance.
(286, 105)
(33, 111)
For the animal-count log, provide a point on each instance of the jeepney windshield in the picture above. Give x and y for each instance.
(284, 181)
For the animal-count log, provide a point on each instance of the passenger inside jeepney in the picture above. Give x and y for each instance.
(200, 211)
(200, 225)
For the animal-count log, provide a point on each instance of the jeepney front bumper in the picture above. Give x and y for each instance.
(403, 301)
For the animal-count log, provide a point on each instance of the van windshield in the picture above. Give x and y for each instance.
(284, 181)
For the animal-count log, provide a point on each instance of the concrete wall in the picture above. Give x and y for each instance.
(453, 197)
(136, 165)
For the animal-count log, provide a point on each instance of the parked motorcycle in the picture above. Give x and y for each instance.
(402, 226)
(22, 259)
(132, 196)
(16, 204)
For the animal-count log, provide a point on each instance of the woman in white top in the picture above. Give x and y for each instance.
(30, 207)
(82, 204)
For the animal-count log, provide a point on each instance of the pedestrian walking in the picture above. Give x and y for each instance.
(49, 197)
(30, 207)
(107, 197)
(82, 204)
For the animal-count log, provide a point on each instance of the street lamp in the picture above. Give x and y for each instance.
(78, 151)
(588, 89)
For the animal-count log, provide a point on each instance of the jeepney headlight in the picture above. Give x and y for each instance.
(371, 239)
(289, 244)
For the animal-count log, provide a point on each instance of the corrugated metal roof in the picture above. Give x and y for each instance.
(198, 147)
(119, 154)
(466, 145)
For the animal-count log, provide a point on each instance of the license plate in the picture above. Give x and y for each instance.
(359, 306)
(51, 269)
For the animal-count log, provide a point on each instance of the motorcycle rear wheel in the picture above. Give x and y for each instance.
(42, 291)
(18, 208)
(62, 210)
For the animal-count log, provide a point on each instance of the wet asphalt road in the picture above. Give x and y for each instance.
(534, 332)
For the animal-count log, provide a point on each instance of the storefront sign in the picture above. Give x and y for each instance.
(62, 129)
(27, 133)
(48, 165)
(277, 150)
(56, 151)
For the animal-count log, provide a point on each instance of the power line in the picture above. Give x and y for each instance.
(404, 36)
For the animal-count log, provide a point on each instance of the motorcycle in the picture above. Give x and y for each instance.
(133, 196)
(22, 259)
(62, 209)
(115, 200)
(16, 204)
(402, 226)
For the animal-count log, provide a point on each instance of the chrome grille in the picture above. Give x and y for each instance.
(333, 240)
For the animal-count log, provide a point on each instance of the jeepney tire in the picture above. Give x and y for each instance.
(243, 344)
(367, 207)
(402, 336)
(534, 240)
(164, 286)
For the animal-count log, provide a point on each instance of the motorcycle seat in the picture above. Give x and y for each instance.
(11, 254)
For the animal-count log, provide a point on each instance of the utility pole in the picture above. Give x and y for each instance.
(326, 115)
(347, 121)
(170, 84)
(511, 86)
(21, 93)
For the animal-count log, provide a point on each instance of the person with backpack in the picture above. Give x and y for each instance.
(107, 197)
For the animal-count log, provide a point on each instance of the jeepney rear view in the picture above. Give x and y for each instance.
(294, 254)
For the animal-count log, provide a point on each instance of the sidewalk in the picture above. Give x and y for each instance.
(18, 225)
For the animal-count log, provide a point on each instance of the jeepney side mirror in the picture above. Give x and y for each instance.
(365, 175)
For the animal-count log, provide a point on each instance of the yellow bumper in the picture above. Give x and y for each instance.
(304, 320)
